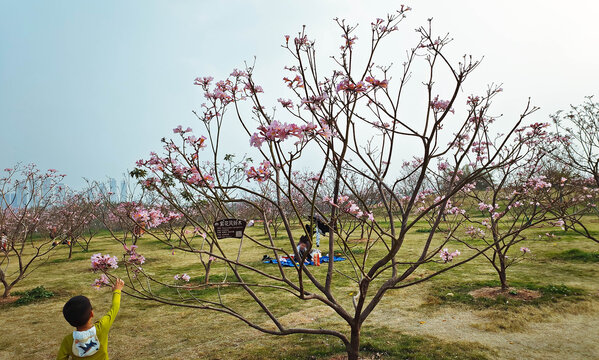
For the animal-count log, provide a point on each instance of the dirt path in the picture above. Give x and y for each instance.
(560, 336)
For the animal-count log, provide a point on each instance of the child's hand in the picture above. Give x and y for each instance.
(118, 285)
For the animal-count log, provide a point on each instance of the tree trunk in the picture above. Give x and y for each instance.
(7, 289)
(207, 276)
(503, 274)
(353, 349)
(70, 249)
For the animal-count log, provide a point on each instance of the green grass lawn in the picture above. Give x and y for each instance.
(418, 322)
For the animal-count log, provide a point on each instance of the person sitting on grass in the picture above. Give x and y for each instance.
(302, 249)
(90, 340)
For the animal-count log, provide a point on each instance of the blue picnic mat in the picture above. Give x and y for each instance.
(288, 262)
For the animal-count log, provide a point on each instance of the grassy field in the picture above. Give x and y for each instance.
(434, 320)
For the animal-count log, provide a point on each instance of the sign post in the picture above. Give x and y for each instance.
(229, 228)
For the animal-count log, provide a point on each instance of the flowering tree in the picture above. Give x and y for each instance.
(70, 217)
(515, 199)
(353, 120)
(26, 195)
(577, 199)
(578, 132)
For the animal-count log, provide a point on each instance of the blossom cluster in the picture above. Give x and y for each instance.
(376, 83)
(276, 131)
(287, 103)
(294, 83)
(446, 256)
(475, 232)
(440, 105)
(349, 41)
(183, 277)
(261, 174)
(348, 86)
(103, 262)
(349, 206)
(134, 258)
(101, 282)
(538, 183)
(315, 101)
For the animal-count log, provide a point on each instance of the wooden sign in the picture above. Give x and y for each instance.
(229, 228)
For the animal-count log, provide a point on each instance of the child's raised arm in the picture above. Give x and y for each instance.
(108, 319)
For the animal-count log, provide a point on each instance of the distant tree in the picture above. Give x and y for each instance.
(26, 196)
(578, 132)
(70, 218)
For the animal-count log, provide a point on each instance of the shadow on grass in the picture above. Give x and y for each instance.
(385, 343)
(459, 293)
(576, 255)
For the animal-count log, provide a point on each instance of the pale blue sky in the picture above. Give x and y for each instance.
(88, 87)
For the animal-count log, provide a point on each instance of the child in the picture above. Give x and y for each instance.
(302, 247)
(90, 340)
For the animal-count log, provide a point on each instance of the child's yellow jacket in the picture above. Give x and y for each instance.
(102, 328)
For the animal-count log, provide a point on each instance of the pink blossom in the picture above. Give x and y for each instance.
(102, 281)
(525, 250)
(261, 174)
(348, 86)
(296, 82)
(370, 216)
(353, 208)
(560, 223)
(286, 103)
(475, 232)
(376, 83)
(446, 256)
(183, 277)
(472, 100)
(204, 81)
(440, 105)
(103, 262)
(134, 258)
(256, 140)
(349, 42)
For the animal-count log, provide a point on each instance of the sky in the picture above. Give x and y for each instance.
(89, 87)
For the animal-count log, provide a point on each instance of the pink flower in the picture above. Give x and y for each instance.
(376, 83)
(370, 216)
(353, 208)
(440, 105)
(134, 258)
(102, 281)
(560, 223)
(348, 87)
(261, 174)
(472, 100)
(103, 262)
(204, 81)
(446, 256)
(183, 277)
(286, 103)
(475, 232)
(525, 250)
(256, 140)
